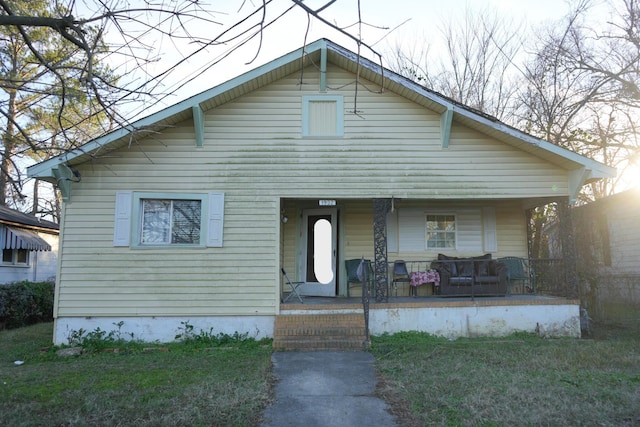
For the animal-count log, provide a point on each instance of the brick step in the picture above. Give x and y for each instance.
(315, 318)
(325, 332)
(292, 324)
(309, 345)
(315, 332)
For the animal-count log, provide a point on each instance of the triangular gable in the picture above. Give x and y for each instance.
(582, 169)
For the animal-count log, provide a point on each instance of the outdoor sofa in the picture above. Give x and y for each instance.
(472, 276)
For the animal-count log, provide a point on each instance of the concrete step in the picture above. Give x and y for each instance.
(316, 332)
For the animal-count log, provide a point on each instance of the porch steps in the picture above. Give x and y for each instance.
(317, 332)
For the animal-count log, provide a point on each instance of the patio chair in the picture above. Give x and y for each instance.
(400, 275)
(294, 288)
(352, 273)
(518, 271)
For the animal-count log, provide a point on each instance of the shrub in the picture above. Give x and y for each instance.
(187, 334)
(26, 303)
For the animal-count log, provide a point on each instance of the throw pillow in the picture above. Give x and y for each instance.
(482, 264)
(449, 266)
(465, 268)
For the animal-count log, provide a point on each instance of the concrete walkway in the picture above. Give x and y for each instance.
(326, 388)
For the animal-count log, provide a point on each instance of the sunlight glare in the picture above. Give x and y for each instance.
(630, 176)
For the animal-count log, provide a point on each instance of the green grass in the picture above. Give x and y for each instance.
(193, 383)
(521, 380)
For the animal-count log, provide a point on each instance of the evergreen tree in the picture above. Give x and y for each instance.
(46, 107)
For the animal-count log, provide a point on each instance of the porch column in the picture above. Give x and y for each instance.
(567, 239)
(381, 276)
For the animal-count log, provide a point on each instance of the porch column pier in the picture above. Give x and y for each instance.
(381, 208)
(567, 239)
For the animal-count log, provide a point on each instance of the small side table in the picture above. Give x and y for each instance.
(418, 278)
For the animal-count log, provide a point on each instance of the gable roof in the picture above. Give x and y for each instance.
(582, 169)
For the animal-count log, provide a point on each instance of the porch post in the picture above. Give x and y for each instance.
(567, 239)
(381, 276)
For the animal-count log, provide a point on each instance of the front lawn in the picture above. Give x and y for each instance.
(188, 384)
(522, 380)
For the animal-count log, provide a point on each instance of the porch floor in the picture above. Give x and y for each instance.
(323, 303)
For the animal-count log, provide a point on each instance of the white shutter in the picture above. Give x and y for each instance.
(215, 220)
(469, 230)
(412, 230)
(122, 224)
(490, 229)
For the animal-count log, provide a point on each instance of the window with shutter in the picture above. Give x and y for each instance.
(455, 229)
(146, 219)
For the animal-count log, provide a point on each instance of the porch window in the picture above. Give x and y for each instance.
(441, 231)
(15, 257)
(170, 222)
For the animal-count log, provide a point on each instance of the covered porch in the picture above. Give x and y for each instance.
(321, 239)
(374, 230)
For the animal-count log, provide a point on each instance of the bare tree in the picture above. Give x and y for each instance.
(579, 83)
(582, 88)
(136, 34)
(582, 93)
(576, 84)
(476, 66)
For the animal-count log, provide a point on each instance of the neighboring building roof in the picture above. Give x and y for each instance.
(583, 169)
(18, 232)
(14, 217)
(625, 199)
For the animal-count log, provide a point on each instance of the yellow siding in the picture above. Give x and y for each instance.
(391, 146)
(288, 245)
(512, 230)
(254, 153)
(358, 230)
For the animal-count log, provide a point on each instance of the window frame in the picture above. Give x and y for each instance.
(476, 228)
(137, 218)
(306, 118)
(14, 258)
(426, 233)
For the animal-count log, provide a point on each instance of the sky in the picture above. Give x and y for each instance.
(407, 22)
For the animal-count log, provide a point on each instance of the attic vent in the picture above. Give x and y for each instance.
(322, 115)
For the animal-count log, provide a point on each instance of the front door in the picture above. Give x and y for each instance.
(320, 235)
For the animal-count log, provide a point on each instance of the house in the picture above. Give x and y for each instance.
(315, 158)
(608, 234)
(29, 247)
